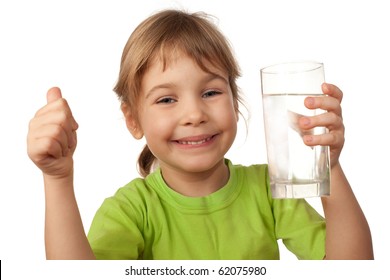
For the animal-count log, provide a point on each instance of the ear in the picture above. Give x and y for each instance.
(131, 122)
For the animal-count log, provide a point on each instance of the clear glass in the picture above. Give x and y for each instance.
(295, 169)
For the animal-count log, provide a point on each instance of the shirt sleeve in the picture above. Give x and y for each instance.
(300, 227)
(115, 232)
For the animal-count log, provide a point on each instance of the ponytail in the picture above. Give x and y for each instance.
(145, 161)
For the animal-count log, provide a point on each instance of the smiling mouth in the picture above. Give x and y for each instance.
(195, 141)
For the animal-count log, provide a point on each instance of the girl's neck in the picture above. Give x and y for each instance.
(197, 184)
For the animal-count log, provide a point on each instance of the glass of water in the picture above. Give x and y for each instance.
(295, 169)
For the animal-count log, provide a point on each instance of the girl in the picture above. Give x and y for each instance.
(177, 88)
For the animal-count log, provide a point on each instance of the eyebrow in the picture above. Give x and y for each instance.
(161, 86)
(210, 76)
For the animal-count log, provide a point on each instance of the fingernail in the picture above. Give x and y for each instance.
(308, 139)
(310, 101)
(306, 121)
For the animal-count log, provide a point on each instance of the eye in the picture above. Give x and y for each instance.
(165, 100)
(211, 93)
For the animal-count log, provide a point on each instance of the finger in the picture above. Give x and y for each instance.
(54, 105)
(43, 148)
(332, 90)
(56, 133)
(59, 119)
(327, 139)
(329, 120)
(53, 94)
(60, 107)
(327, 103)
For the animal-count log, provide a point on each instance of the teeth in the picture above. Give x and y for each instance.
(194, 142)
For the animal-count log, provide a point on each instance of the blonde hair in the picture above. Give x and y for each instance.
(157, 36)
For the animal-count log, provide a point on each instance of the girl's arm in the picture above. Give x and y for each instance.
(347, 232)
(51, 143)
(65, 237)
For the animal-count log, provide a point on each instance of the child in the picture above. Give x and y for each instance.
(177, 87)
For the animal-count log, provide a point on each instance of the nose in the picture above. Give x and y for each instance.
(194, 113)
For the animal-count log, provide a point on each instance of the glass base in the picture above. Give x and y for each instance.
(300, 190)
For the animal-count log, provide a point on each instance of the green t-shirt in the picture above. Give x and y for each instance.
(147, 220)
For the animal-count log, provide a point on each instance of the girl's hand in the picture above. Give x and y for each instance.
(332, 120)
(51, 140)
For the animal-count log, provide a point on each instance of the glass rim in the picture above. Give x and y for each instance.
(292, 67)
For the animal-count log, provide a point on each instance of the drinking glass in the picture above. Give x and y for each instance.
(295, 169)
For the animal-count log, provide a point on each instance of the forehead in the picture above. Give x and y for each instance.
(167, 57)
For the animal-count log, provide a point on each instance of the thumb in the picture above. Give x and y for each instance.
(53, 94)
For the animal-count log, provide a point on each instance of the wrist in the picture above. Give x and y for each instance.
(58, 180)
(335, 166)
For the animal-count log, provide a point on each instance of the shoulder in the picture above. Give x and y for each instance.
(255, 171)
(253, 179)
(256, 174)
(135, 189)
(130, 208)
(132, 199)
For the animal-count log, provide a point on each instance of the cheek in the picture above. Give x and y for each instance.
(156, 127)
(231, 121)
(227, 113)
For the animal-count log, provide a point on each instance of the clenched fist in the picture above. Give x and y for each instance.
(51, 139)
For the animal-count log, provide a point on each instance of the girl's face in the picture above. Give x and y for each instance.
(187, 116)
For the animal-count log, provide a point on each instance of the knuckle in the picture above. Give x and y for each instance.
(63, 103)
(334, 118)
(62, 117)
(334, 137)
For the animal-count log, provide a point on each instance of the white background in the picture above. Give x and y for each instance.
(77, 45)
